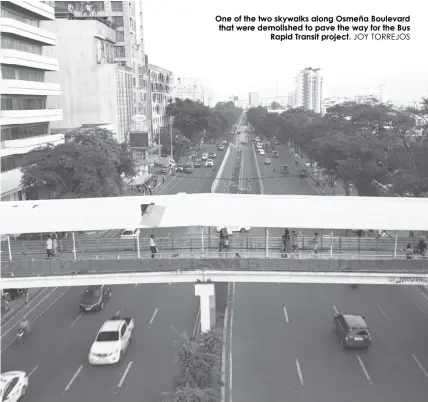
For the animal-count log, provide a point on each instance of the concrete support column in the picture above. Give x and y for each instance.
(396, 244)
(266, 242)
(331, 245)
(138, 244)
(206, 293)
(74, 244)
(202, 241)
(9, 248)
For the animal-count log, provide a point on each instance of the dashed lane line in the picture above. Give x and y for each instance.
(420, 365)
(74, 322)
(124, 374)
(383, 313)
(70, 383)
(366, 374)
(336, 311)
(153, 317)
(286, 315)
(32, 371)
(299, 372)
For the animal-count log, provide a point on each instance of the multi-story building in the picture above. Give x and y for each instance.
(189, 88)
(253, 99)
(329, 102)
(25, 90)
(308, 92)
(161, 83)
(209, 97)
(290, 99)
(96, 90)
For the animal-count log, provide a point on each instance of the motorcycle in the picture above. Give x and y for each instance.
(22, 334)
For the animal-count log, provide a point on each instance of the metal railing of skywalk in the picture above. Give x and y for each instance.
(192, 242)
(214, 261)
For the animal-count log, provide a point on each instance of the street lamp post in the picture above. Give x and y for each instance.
(171, 120)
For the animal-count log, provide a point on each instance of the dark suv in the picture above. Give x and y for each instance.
(352, 331)
(94, 297)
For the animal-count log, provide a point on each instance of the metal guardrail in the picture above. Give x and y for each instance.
(229, 261)
(193, 242)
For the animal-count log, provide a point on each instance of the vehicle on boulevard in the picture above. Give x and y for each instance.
(275, 154)
(268, 161)
(303, 174)
(285, 169)
(13, 386)
(220, 147)
(179, 168)
(130, 233)
(230, 229)
(258, 139)
(259, 145)
(164, 169)
(209, 162)
(352, 331)
(242, 190)
(189, 167)
(198, 163)
(94, 297)
(112, 341)
(224, 142)
(204, 156)
(213, 155)
(261, 151)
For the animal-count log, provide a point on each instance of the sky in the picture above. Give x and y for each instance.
(183, 36)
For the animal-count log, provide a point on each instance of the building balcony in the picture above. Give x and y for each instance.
(11, 26)
(10, 182)
(25, 145)
(18, 58)
(21, 87)
(9, 117)
(42, 10)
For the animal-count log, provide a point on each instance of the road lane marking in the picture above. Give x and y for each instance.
(74, 322)
(299, 372)
(73, 378)
(420, 365)
(223, 352)
(416, 304)
(286, 315)
(424, 295)
(32, 371)
(136, 285)
(335, 310)
(124, 374)
(383, 313)
(27, 313)
(364, 369)
(153, 317)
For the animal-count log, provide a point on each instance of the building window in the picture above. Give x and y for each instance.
(119, 51)
(116, 6)
(17, 132)
(22, 102)
(22, 73)
(12, 162)
(100, 5)
(9, 42)
(15, 15)
(117, 21)
(120, 36)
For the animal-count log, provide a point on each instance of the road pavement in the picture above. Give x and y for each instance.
(284, 347)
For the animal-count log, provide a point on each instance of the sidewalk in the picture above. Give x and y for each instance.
(18, 304)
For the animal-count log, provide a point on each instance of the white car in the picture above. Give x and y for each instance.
(112, 341)
(257, 139)
(231, 229)
(209, 162)
(13, 386)
(261, 151)
(130, 233)
(259, 145)
(204, 156)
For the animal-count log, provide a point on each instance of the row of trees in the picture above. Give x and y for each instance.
(199, 378)
(194, 121)
(363, 144)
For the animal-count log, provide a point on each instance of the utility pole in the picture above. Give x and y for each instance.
(171, 120)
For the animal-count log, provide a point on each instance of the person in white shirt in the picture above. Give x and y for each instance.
(49, 246)
(153, 248)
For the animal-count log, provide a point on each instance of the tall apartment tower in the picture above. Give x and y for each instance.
(253, 99)
(25, 118)
(308, 92)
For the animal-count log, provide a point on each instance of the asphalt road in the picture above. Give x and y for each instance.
(56, 351)
(284, 347)
(60, 339)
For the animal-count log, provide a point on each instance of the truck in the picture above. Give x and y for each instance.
(112, 341)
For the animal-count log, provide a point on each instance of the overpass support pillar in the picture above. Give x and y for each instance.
(9, 248)
(206, 293)
(266, 242)
(73, 237)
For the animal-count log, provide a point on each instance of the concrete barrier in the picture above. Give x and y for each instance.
(259, 176)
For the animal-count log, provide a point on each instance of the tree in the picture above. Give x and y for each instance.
(90, 163)
(276, 106)
(180, 144)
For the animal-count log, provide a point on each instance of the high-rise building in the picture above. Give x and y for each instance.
(253, 99)
(161, 83)
(290, 99)
(189, 88)
(96, 90)
(308, 92)
(25, 89)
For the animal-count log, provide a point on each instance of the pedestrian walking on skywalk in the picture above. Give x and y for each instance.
(153, 248)
(409, 251)
(294, 242)
(316, 242)
(54, 244)
(284, 253)
(49, 246)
